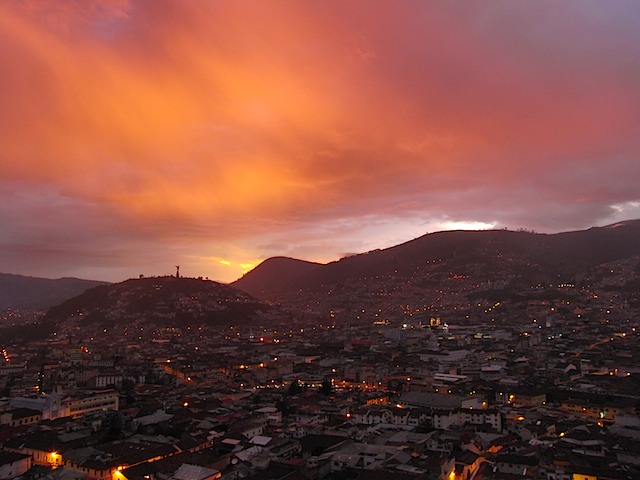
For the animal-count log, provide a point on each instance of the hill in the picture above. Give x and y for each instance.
(448, 271)
(273, 271)
(33, 293)
(162, 301)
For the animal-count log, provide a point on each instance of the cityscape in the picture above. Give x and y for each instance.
(313, 240)
(176, 377)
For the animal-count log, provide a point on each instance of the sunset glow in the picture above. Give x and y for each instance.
(139, 135)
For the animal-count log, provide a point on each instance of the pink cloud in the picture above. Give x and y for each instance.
(209, 129)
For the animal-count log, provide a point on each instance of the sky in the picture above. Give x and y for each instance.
(212, 134)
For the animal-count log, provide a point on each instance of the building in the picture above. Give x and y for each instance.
(20, 416)
(55, 406)
(438, 401)
(14, 464)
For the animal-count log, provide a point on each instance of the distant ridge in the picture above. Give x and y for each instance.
(523, 257)
(23, 292)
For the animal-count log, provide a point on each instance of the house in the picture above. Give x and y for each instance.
(14, 464)
(438, 401)
(512, 464)
(467, 464)
(187, 471)
(20, 416)
(598, 406)
(45, 448)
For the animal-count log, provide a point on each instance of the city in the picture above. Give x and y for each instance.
(548, 395)
(313, 240)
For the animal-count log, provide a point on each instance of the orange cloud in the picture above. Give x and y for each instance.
(223, 126)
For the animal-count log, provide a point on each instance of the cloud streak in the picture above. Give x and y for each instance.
(142, 133)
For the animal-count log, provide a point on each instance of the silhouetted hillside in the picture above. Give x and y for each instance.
(451, 268)
(162, 301)
(274, 271)
(20, 292)
(525, 253)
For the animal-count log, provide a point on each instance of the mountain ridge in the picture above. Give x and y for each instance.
(29, 292)
(477, 261)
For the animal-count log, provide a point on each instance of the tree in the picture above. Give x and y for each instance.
(294, 388)
(326, 388)
(283, 406)
(113, 423)
(395, 385)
